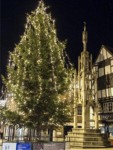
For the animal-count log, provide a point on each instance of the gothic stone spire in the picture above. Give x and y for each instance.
(84, 37)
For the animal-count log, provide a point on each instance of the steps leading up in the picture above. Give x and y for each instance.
(86, 138)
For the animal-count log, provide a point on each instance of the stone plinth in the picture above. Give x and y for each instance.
(86, 138)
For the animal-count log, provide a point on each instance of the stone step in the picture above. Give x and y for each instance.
(85, 139)
(86, 130)
(89, 145)
(71, 134)
(82, 145)
(88, 142)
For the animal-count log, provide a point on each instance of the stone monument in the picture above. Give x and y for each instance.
(84, 134)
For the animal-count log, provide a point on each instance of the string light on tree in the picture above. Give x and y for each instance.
(37, 75)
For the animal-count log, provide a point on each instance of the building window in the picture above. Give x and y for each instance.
(101, 83)
(105, 107)
(101, 64)
(107, 80)
(108, 107)
(79, 110)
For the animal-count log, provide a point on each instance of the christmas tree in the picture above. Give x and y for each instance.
(37, 78)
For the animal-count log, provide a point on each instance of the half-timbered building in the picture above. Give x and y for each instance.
(104, 68)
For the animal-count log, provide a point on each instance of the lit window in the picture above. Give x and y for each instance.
(110, 106)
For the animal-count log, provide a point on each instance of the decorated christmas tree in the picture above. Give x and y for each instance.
(37, 78)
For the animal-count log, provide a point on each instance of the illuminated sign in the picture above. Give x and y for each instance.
(9, 146)
(23, 146)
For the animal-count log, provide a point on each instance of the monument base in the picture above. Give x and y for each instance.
(86, 138)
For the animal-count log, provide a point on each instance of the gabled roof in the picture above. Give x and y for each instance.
(109, 49)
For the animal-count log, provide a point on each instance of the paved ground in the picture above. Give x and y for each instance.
(93, 148)
(110, 148)
(86, 148)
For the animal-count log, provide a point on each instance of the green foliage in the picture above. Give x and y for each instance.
(7, 116)
(36, 74)
(13, 117)
(2, 114)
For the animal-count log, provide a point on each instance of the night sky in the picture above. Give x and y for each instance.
(69, 16)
